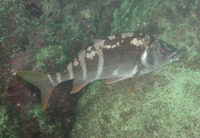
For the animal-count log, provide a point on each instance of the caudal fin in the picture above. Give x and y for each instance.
(44, 82)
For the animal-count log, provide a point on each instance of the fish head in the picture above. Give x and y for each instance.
(158, 54)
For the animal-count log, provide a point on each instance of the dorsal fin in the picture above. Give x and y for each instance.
(97, 40)
(44, 82)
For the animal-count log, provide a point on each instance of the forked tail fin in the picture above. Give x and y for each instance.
(44, 82)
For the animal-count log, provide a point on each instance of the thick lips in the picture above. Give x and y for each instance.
(176, 55)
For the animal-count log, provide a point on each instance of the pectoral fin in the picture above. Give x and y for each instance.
(112, 80)
(78, 85)
(133, 80)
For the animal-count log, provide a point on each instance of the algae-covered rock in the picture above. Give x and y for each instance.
(45, 35)
(164, 103)
(7, 130)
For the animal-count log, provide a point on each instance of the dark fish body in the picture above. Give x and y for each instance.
(115, 58)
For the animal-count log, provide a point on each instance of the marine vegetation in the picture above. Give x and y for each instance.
(44, 36)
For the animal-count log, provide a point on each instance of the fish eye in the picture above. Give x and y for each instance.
(162, 50)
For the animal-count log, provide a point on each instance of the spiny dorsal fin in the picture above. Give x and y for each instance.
(40, 80)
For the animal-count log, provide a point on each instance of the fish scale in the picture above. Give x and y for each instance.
(115, 58)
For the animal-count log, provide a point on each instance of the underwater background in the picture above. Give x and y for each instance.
(44, 35)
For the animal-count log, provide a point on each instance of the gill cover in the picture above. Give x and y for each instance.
(158, 54)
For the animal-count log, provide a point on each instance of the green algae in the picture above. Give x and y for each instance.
(45, 125)
(40, 30)
(50, 54)
(165, 103)
(170, 108)
(7, 126)
(87, 14)
(48, 6)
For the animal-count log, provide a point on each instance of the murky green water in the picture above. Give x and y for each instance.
(45, 35)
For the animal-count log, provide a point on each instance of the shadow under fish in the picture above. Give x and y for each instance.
(115, 58)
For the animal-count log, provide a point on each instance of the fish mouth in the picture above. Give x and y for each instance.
(175, 56)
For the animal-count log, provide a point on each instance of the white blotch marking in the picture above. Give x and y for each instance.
(83, 65)
(112, 37)
(76, 62)
(111, 46)
(137, 42)
(98, 48)
(89, 48)
(91, 54)
(108, 46)
(99, 45)
(117, 44)
(51, 80)
(134, 71)
(70, 71)
(124, 35)
(100, 65)
(58, 77)
(144, 56)
(115, 72)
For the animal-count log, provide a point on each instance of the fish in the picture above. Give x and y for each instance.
(114, 58)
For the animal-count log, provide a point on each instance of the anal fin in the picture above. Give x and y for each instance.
(112, 80)
(78, 85)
